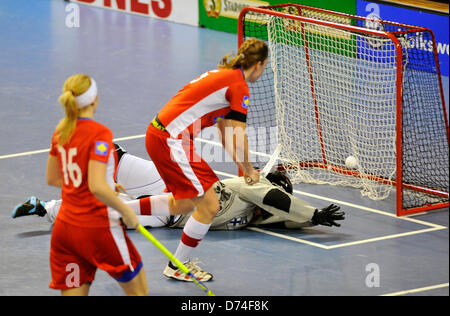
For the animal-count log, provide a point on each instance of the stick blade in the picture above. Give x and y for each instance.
(271, 161)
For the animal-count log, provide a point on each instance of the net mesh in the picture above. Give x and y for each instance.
(329, 93)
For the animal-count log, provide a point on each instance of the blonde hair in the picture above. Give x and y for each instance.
(251, 51)
(73, 87)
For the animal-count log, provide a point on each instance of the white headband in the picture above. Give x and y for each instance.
(88, 97)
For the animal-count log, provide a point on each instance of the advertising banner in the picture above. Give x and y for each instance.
(222, 15)
(436, 22)
(180, 11)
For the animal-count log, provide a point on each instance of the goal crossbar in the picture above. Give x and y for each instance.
(393, 36)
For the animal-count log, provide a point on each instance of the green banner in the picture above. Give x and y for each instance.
(222, 15)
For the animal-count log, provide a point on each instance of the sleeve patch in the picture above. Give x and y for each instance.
(101, 148)
(218, 118)
(245, 102)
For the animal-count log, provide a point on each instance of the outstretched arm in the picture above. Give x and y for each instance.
(285, 207)
(274, 200)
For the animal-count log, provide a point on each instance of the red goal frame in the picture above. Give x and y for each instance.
(400, 211)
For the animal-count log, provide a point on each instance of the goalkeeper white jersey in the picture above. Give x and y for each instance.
(235, 213)
(238, 201)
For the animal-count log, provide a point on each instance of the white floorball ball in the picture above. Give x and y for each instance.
(351, 162)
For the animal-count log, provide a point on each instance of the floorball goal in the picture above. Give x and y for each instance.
(339, 85)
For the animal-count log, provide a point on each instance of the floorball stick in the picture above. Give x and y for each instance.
(269, 164)
(172, 258)
(271, 161)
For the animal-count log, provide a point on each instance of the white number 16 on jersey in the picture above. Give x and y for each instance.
(70, 168)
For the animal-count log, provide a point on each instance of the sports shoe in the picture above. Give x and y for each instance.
(171, 271)
(31, 207)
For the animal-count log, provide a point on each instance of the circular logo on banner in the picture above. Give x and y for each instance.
(291, 25)
(373, 22)
(212, 7)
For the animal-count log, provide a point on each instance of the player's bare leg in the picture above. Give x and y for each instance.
(194, 231)
(83, 290)
(180, 207)
(207, 207)
(137, 286)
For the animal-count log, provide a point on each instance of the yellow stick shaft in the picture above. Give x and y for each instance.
(172, 258)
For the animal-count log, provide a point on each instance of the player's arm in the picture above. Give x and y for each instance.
(298, 210)
(53, 175)
(328, 216)
(103, 192)
(286, 207)
(232, 134)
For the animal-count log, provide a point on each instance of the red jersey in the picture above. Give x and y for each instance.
(205, 100)
(90, 141)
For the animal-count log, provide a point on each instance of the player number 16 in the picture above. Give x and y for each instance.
(70, 168)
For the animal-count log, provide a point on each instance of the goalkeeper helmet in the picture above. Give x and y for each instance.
(280, 179)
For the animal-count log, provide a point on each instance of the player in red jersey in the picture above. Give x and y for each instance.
(219, 96)
(87, 233)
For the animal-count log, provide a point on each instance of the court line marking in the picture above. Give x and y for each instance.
(433, 226)
(25, 153)
(39, 151)
(364, 208)
(303, 241)
(421, 289)
(348, 244)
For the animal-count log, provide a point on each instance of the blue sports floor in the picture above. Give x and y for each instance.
(139, 64)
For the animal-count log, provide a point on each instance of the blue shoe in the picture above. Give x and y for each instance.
(33, 206)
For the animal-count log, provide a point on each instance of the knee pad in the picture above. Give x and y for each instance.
(278, 199)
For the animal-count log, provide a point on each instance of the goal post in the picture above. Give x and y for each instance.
(339, 85)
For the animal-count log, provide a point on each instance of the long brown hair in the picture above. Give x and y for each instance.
(251, 51)
(74, 86)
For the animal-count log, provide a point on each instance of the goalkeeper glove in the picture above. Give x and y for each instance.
(327, 216)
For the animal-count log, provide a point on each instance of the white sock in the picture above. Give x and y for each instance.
(157, 205)
(153, 221)
(193, 233)
(52, 208)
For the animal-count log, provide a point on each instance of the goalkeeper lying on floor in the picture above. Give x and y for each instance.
(267, 203)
